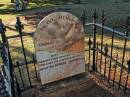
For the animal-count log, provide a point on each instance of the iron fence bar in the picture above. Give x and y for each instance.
(22, 64)
(89, 43)
(124, 50)
(24, 34)
(25, 59)
(105, 66)
(112, 42)
(89, 56)
(94, 38)
(127, 77)
(103, 21)
(19, 27)
(115, 70)
(18, 87)
(20, 74)
(97, 57)
(125, 87)
(83, 17)
(106, 52)
(34, 62)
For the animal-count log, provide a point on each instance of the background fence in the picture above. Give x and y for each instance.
(107, 52)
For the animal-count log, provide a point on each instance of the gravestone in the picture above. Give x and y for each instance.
(59, 44)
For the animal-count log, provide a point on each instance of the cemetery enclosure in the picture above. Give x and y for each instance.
(103, 55)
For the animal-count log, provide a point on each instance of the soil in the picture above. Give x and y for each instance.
(88, 85)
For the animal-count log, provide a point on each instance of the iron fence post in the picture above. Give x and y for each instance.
(128, 62)
(102, 37)
(115, 66)
(5, 41)
(34, 62)
(20, 73)
(19, 27)
(127, 77)
(95, 16)
(89, 56)
(97, 56)
(112, 44)
(106, 50)
(124, 51)
(128, 66)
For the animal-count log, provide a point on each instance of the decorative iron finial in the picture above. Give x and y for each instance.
(19, 26)
(127, 32)
(95, 15)
(127, 26)
(106, 50)
(83, 17)
(90, 42)
(103, 17)
(83, 13)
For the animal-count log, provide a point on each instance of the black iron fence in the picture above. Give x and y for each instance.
(107, 53)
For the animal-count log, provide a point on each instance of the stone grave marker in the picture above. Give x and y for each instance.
(59, 45)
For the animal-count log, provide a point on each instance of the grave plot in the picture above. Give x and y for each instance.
(62, 53)
(78, 86)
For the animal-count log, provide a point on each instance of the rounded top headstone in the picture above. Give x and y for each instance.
(59, 44)
(61, 27)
